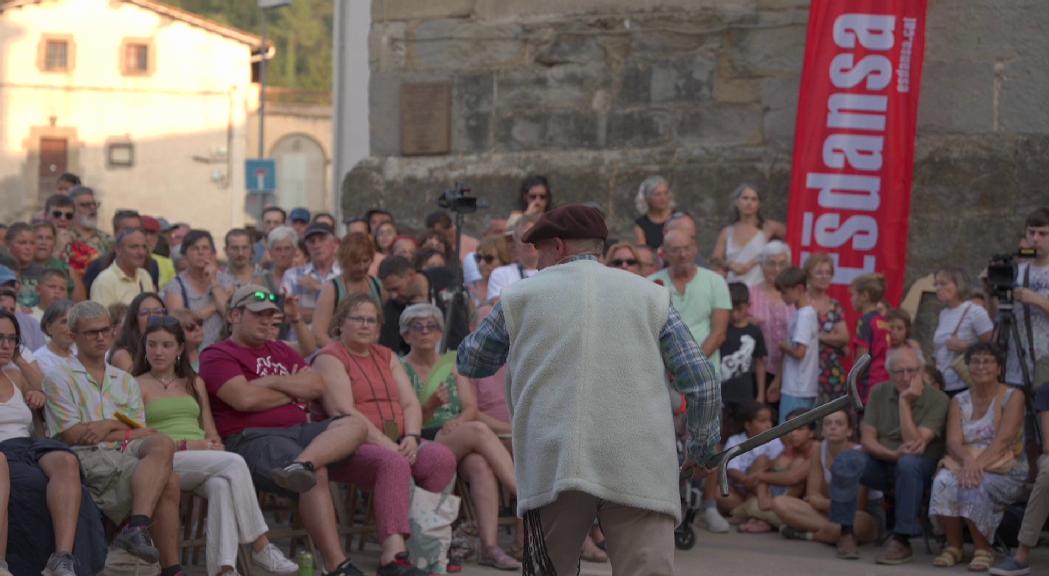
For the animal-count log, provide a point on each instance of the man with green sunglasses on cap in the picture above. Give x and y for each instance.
(260, 390)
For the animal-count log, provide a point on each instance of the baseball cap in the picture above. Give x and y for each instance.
(299, 215)
(318, 228)
(254, 298)
(150, 224)
(7, 275)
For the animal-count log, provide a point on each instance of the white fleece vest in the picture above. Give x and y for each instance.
(586, 389)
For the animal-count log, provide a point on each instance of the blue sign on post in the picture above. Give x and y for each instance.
(260, 175)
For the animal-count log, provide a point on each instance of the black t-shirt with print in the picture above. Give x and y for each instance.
(741, 348)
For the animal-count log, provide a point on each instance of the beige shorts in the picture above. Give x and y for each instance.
(107, 473)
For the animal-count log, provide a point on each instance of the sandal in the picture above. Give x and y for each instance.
(496, 558)
(982, 561)
(949, 557)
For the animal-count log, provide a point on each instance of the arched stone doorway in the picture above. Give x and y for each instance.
(301, 172)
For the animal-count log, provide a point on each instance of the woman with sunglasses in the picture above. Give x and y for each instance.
(193, 328)
(624, 256)
(365, 379)
(491, 253)
(449, 411)
(176, 404)
(58, 530)
(534, 197)
(129, 336)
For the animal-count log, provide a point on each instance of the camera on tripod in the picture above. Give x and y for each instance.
(458, 200)
(1001, 273)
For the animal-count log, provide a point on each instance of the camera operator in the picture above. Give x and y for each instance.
(1031, 309)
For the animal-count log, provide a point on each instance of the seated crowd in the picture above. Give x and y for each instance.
(138, 366)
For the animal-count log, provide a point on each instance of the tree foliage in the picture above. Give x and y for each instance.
(301, 32)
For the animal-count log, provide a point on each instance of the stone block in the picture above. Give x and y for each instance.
(384, 117)
(986, 30)
(722, 124)
(767, 51)
(464, 45)
(686, 79)
(557, 130)
(472, 109)
(957, 98)
(387, 10)
(558, 87)
(737, 90)
(1022, 98)
(568, 48)
(639, 129)
(779, 95)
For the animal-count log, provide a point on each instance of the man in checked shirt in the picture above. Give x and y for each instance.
(587, 348)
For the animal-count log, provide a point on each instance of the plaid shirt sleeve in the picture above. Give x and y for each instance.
(694, 376)
(485, 350)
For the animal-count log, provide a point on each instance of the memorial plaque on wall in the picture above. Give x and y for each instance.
(426, 110)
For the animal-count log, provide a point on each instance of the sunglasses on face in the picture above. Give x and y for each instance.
(193, 326)
(533, 197)
(57, 214)
(257, 296)
(487, 258)
(623, 263)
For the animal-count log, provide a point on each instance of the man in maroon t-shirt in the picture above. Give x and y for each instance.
(259, 391)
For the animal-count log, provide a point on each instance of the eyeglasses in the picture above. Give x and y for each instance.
(905, 371)
(9, 339)
(142, 312)
(623, 263)
(487, 258)
(420, 328)
(258, 296)
(365, 320)
(61, 214)
(92, 205)
(97, 333)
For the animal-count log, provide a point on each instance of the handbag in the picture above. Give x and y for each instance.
(1004, 463)
(430, 517)
(958, 364)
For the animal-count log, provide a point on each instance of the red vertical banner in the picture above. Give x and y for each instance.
(850, 192)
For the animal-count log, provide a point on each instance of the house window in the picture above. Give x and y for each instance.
(55, 54)
(120, 154)
(136, 57)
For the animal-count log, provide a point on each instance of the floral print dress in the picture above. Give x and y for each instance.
(832, 370)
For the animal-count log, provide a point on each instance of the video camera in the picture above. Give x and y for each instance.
(1001, 273)
(458, 199)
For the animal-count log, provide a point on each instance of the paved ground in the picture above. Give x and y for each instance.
(741, 555)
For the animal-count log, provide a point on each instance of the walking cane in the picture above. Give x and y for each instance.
(851, 398)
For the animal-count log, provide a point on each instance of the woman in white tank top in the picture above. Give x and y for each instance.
(808, 518)
(41, 480)
(740, 243)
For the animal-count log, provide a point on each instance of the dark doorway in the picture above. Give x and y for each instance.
(53, 159)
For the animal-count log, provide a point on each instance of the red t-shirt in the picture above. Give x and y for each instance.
(872, 332)
(221, 362)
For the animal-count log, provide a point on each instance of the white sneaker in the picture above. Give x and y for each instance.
(272, 560)
(715, 523)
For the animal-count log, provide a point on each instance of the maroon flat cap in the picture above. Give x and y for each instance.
(568, 222)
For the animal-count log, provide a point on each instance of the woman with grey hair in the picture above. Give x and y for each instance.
(449, 406)
(771, 313)
(740, 243)
(961, 324)
(656, 205)
(59, 349)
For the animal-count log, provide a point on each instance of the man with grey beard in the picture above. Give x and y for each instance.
(85, 220)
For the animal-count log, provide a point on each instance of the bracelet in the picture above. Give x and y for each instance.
(418, 438)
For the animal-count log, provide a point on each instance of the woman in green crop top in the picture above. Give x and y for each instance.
(177, 405)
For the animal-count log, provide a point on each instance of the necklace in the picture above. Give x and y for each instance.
(164, 382)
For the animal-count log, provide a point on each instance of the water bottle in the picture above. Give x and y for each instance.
(305, 562)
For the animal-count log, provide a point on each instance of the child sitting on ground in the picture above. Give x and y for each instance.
(783, 475)
(900, 330)
(755, 418)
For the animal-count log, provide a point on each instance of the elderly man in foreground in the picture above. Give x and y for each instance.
(587, 347)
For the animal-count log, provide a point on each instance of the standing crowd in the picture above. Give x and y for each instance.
(139, 365)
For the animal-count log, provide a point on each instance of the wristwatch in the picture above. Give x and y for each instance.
(418, 437)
